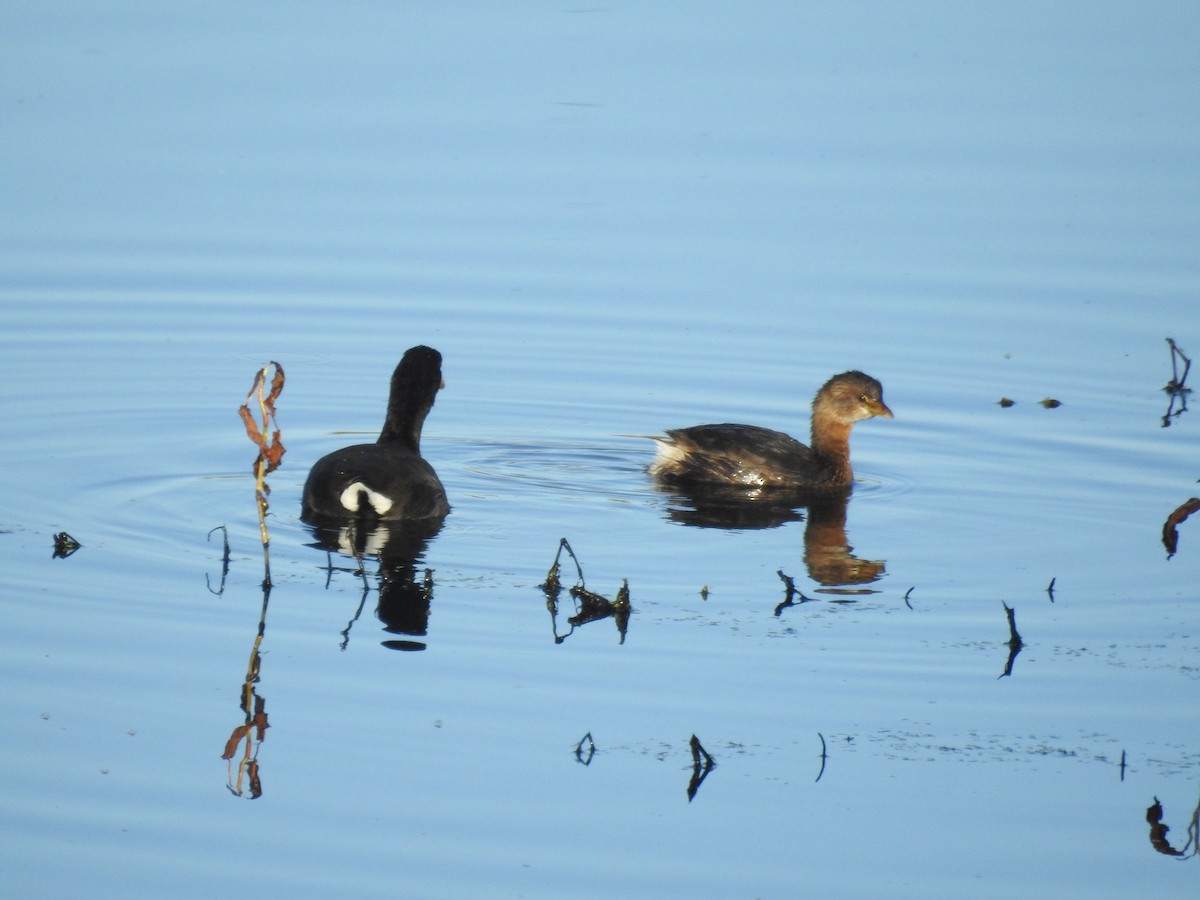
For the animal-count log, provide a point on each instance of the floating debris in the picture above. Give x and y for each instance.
(1005, 402)
(592, 607)
(64, 545)
(1050, 403)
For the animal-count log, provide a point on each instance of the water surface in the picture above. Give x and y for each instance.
(610, 221)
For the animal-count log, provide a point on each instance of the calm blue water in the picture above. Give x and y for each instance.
(610, 221)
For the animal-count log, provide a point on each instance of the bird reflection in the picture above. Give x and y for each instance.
(827, 552)
(405, 590)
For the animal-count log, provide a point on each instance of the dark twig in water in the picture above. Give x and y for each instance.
(1122, 765)
(789, 600)
(1176, 388)
(1014, 641)
(699, 771)
(1050, 588)
(907, 594)
(591, 606)
(1177, 381)
(552, 584)
(824, 757)
(64, 545)
(224, 561)
(585, 749)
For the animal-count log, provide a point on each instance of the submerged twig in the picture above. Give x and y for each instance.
(824, 757)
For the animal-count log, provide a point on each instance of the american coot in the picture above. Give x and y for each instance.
(388, 479)
(753, 457)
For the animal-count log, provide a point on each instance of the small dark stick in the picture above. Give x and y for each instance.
(699, 772)
(64, 545)
(1014, 641)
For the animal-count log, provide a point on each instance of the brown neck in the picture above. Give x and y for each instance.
(831, 444)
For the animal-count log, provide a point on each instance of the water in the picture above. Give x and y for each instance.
(610, 221)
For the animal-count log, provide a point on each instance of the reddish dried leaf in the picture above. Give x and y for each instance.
(273, 452)
(276, 388)
(251, 426)
(231, 745)
(1170, 535)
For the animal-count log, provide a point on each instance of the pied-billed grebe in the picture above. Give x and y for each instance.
(387, 479)
(752, 457)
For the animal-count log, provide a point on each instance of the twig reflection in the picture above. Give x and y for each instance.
(1159, 829)
(1170, 532)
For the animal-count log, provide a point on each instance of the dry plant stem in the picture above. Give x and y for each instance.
(270, 451)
